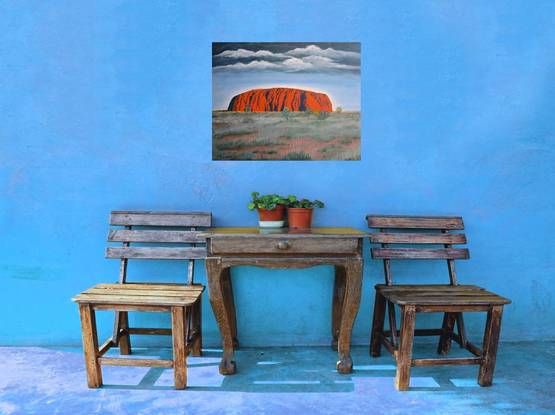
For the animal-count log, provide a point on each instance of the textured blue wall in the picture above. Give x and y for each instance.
(107, 105)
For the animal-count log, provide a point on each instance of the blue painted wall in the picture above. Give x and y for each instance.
(107, 105)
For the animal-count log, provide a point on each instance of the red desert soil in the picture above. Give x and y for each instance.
(277, 99)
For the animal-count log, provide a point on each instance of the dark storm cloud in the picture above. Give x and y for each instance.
(287, 57)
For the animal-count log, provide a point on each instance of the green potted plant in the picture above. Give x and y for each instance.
(271, 209)
(299, 212)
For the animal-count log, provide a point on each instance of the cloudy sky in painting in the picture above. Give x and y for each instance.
(331, 68)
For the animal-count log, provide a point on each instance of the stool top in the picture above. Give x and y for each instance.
(143, 294)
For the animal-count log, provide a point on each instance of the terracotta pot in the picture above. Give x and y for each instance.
(271, 215)
(300, 218)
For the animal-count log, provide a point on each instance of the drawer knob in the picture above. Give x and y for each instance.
(283, 245)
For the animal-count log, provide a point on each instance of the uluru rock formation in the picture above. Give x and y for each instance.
(277, 99)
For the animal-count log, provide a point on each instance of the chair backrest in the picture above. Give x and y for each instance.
(420, 233)
(169, 235)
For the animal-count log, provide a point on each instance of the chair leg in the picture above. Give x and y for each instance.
(196, 348)
(124, 339)
(377, 325)
(491, 340)
(446, 337)
(404, 355)
(179, 348)
(90, 345)
(461, 329)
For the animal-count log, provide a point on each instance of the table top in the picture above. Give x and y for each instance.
(327, 232)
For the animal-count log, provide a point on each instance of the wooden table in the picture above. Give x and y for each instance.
(286, 248)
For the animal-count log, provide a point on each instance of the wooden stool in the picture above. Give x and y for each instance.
(179, 300)
(451, 299)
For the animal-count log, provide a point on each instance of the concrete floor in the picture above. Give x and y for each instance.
(297, 381)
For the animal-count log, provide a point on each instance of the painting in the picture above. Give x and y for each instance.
(286, 101)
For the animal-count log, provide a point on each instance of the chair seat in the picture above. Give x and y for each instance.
(443, 294)
(141, 294)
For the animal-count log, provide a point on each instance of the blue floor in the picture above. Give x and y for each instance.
(297, 380)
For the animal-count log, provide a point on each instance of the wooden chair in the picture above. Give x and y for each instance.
(159, 228)
(417, 236)
(169, 236)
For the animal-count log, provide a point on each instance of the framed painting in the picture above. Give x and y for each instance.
(286, 101)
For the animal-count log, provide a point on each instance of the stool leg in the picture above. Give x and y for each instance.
(123, 340)
(179, 349)
(377, 325)
(90, 345)
(404, 355)
(446, 337)
(491, 339)
(196, 348)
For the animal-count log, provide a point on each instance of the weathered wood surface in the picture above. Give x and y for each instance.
(283, 246)
(217, 294)
(340, 247)
(156, 253)
(420, 253)
(446, 337)
(404, 355)
(450, 295)
(418, 238)
(122, 337)
(179, 347)
(491, 340)
(127, 361)
(150, 331)
(447, 361)
(255, 232)
(415, 222)
(196, 347)
(229, 302)
(337, 304)
(351, 302)
(129, 294)
(377, 324)
(153, 236)
(156, 218)
(452, 299)
(90, 346)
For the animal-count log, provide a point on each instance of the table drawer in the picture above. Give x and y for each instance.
(284, 245)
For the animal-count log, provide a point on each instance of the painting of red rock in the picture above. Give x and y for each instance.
(286, 101)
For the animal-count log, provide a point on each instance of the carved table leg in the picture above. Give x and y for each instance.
(215, 275)
(337, 305)
(230, 304)
(353, 282)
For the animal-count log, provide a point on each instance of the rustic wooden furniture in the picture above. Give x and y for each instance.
(155, 236)
(416, 236)
(284, 248)
(179, 300)
(169, 236)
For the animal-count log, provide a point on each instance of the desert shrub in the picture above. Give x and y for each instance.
(322, 115)
(286, 113)
(297, 155)
(346, 140)
(339, 110)
(244, 156)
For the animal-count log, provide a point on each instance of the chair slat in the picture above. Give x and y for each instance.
(162, 236)
(416, 253)
(156, 253)
(415, 222)
(148, 218)
(418, 238)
